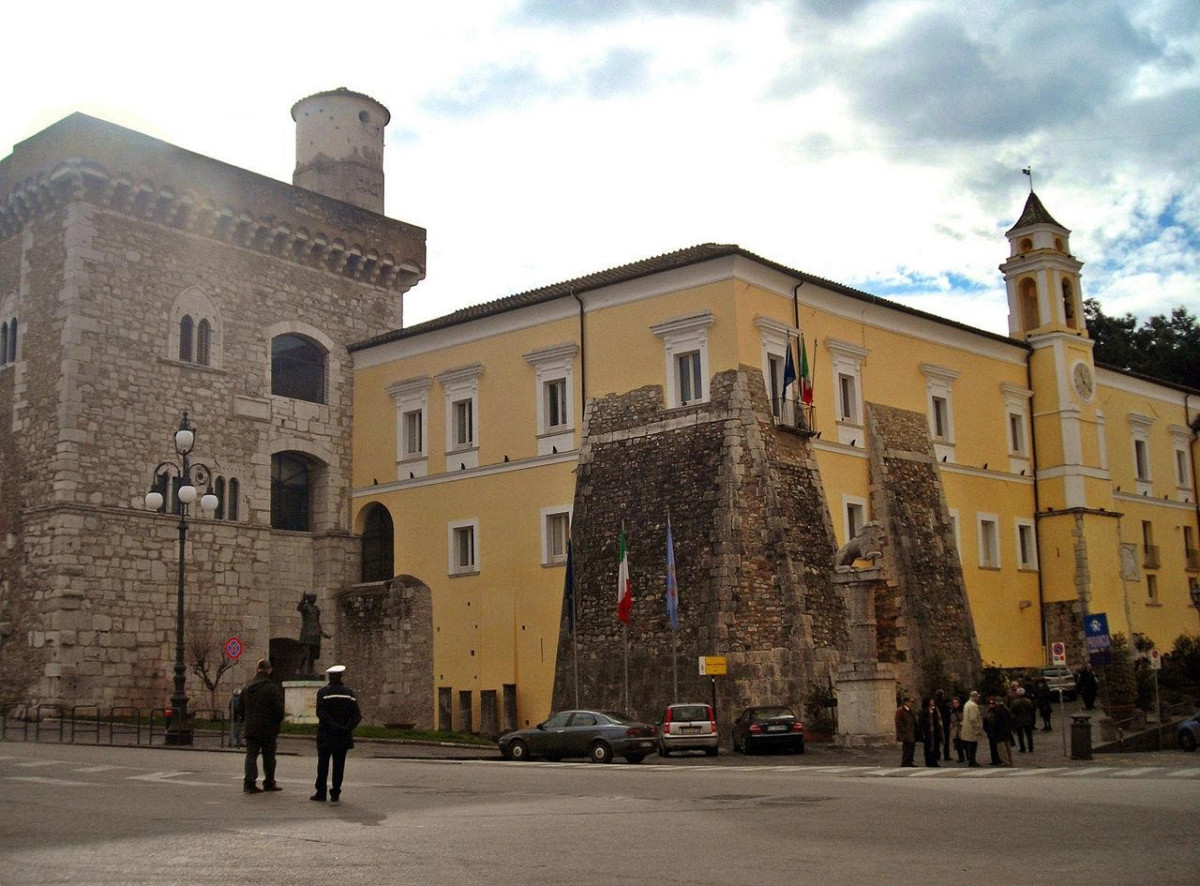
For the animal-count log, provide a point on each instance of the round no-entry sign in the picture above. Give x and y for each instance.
(233, 648)
(1058, 653)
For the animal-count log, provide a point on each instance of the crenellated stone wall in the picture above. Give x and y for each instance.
(752, 538)
(102, 232)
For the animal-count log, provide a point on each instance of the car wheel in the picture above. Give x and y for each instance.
(634, 758)
(712, 752)
(518, 751)
(1187, 741)
(798, 748)
(663, 750)
(600, 752)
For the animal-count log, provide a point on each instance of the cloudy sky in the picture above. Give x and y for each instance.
(879, 144)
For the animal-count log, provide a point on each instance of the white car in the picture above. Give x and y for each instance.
(686, 727)
(1061, 682)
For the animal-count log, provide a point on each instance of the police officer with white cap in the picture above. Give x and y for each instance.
(337, 716)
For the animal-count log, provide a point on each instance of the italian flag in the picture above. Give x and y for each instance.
(806, 389)
(624, 586)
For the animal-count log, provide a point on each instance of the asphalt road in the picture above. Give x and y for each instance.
(99, 815)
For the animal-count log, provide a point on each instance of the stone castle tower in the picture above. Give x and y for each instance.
(145, 280)
(754, 547)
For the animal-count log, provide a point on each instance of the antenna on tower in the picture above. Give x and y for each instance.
(1028, 170)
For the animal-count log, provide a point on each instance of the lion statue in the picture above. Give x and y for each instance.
(865, 545)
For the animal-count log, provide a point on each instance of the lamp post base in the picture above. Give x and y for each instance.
(179, 738)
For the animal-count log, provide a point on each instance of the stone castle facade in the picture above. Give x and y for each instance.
(141, 281)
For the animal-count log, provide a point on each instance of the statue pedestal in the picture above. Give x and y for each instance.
(866, 687)
(866, 694)
(300, 700)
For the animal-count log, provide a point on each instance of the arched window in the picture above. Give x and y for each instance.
(12, 341)
(1068, 302)
(203, 342)
(1029, 305)
(3, 344)
(290, 492)
(219, 491)
(378, 563)
(297, 368)
(185, 338)
(234, 489)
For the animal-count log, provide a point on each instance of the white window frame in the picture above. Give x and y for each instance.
(939, 405)
(1181, 461)
(954, 527)
(775, 337)
(454, 533)
(1016, 410)
(461, 385)
(1027, 557)
(548, 518)
(411, 395)
(851, 503)
(988, 537)
(552, 365)
(681, 336)
(1143, 476)
(846, 361)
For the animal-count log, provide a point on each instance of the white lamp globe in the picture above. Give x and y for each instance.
(209, 502)
(187, 494)
(184, 440)
(154, 500)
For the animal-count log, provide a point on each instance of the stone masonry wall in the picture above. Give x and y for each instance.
(93, 267)
(925, 613)
(752, 540)
(386, 631)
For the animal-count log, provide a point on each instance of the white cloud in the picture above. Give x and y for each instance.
(875, 143)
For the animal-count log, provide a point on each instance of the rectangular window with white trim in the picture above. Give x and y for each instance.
(1026, 545)
(989, 541)
(556, 531)
(464, 550)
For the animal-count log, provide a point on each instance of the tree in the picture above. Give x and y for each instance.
(1166, 348)
(207, 655)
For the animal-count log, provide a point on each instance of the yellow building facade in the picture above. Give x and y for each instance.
(1071, 490)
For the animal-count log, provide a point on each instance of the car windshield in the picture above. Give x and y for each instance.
(772, 713)
(689, 712)
(621, 719)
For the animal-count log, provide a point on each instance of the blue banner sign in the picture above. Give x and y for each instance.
(1096, 639)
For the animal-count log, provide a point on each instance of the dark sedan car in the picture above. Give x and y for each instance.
(597, 735)
(1189, 733)
(768, 726)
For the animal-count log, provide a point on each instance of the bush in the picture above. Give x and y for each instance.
(1117, 676)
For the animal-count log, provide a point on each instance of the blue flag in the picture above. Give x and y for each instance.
(672, 587)
(789, 368)
(569, 591)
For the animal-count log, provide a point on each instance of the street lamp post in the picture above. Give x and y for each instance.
(1194, 592)
(187, 475)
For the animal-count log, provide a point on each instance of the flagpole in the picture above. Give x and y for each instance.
(625, 632)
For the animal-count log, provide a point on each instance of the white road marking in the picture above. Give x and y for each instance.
(170, 778)
(1134, 773)
(61, 782)
(34, 764)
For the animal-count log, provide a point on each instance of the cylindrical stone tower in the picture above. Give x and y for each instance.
(339, 146)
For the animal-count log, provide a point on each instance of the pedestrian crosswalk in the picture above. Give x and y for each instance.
(1081, 770)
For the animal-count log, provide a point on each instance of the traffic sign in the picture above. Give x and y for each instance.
(1155, 659)
(1095, 635)
(713, 665)
(1058, 653)
(233, 648)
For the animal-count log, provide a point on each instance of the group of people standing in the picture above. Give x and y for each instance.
(256, 714)
(942, 721)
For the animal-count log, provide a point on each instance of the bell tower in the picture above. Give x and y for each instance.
(1077, 528)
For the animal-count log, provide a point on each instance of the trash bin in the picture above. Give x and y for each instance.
(1081, 737)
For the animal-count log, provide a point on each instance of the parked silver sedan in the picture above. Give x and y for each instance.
(597, 735)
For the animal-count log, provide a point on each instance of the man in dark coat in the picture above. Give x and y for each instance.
(337, 716)
(262, 702)
(906, 731)
(1024, 716)
(1086, 686)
